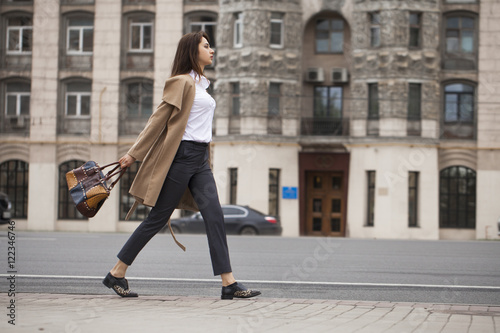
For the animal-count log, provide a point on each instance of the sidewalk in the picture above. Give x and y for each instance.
(110, 313)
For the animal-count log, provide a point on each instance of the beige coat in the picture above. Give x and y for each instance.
(158, 142)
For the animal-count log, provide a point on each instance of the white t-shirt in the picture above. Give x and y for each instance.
(199, 125)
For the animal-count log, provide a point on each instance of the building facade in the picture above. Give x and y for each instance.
(347, 118)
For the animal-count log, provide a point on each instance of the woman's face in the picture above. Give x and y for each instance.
(205, 53)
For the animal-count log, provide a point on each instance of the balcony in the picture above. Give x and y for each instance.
(324, 126)
(281, 125)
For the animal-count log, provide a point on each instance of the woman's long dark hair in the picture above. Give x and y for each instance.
(186, 57)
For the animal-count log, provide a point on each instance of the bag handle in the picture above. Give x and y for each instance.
(113, 173)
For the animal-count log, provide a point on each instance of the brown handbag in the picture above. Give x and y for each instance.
(88, 186)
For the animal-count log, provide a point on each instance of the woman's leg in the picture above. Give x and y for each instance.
(173, 188)
(203, 188)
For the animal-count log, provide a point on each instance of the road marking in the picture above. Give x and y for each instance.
(315, 283)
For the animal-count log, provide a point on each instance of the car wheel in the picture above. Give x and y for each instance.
(248, 231)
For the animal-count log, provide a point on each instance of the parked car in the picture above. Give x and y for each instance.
(240, 220)
(5, 206)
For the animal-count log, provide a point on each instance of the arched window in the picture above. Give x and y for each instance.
(126, 200)
(66, 208)
(457, 198)
(14, 178)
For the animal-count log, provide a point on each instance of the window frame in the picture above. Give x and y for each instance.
(373, 101)
(133, 24)
(274, 192)
(79, 96)
(413, 199)
(330, 114)
(235, 97)
(16, 189)
(18, 96)
(331, 31)
(238, 27)
(370, 207)
(458, 104)
(417, 26)
(444, 219)
(140, 114)
(375, 27)
(274, 98)
(414, 110)
(281, 22)
(233, 185)
(20, 29)
(475, 32)
(80, 29)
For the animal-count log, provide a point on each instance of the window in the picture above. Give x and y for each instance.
(413, 199)
(17, 99)
(141, 35)
(329, 36)
(205, 23)
(460, 34)
(373, 101)
(80, 35)
(277, 33)
(78, 99)
(238, 30)
(126, 200)
(328, 102)
(274, 191)
(375, 29)
(370, 213)
(233, 185)
(457, 198)
(414, 101)
(459, 103)
(235, 89)
(139, 99)
(415, 28)
(274, 99)
(66, 207)
(19, 35)
(14, 179)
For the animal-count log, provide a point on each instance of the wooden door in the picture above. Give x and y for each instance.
(325, 204)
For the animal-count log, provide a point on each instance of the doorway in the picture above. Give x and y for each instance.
(325, 204)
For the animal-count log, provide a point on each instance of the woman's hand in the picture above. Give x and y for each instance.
(126, 161)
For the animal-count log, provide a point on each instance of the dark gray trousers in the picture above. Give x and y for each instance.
(189, 169)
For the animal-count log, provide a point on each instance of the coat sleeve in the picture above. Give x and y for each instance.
(173, 92)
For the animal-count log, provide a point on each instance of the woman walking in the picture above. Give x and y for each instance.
(175, 170)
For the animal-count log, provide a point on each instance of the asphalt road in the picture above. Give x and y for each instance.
(306, 267)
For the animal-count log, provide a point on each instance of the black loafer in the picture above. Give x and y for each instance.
(238, 290)
(119, 285)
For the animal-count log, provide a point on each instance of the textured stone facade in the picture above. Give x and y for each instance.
(393, 64)
(255, 64)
